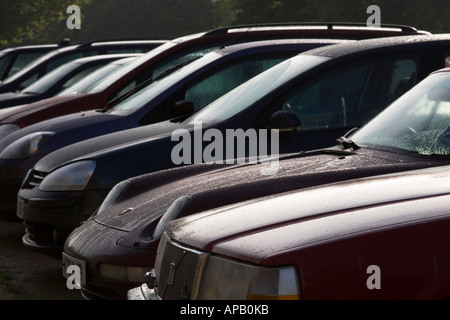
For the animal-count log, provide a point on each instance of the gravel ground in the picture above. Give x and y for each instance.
(26, 274)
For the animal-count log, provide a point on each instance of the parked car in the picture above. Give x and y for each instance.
(55, 58)
(410, 134)
(58, 79)
(200, 82)
(14, 118)
(378, 238)
(385, 62)
(181, 49)
(14, 59)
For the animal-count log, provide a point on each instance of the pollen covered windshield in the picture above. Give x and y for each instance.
(418, 122)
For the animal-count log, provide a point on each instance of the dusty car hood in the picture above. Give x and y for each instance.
(100, 144)
(261, 229)
(213, 186)
(68, 128)
(13, 114)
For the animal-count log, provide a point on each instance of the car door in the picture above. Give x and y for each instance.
(345, 97)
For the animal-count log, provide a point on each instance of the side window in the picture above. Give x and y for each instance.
(78, 76)
(209, 88)
(60, 61)
(182, 57)
(350, 95)
(43, 70)
(22, 60)
(132, 83)
(4, 63)
(204, 90)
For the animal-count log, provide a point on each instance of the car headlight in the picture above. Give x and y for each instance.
(225, 279)
(123, 273)
(71, 177)
(26, 146)
(7, 129)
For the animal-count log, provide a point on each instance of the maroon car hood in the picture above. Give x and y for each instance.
(260, 229)
(28, 114)
(150, 195)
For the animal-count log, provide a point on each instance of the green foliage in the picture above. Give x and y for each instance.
(30, 22)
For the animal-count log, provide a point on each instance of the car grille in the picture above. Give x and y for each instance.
(33, 178)
(178, 271)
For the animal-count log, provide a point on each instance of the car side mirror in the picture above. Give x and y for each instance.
(181, 108)
(284, 121)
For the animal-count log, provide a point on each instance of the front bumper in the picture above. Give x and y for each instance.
(12, 174)
(95, 244)
(50, 217)
(8, 197)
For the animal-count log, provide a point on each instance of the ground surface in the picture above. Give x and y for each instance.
(26, 274)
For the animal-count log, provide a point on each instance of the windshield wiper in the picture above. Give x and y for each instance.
(346, 142)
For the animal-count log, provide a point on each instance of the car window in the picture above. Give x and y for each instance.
(255, 89)
(62, 60)
(91, 80)
(22, 60)
(213, 86)
(78, 76)
(158, 67)
(4, 62)
(218, 81)
(425, 117)
(350, 95)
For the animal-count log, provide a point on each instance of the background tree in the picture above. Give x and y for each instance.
(29, 22)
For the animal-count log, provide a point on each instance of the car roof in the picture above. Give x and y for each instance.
(379, 44)
(263, 43)
(347, 30)
(93, 45)
(106, 57)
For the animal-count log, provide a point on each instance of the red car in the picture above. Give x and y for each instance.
(383, 237)
(182, 49)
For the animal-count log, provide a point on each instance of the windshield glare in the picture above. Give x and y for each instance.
(85, 84)
(254, 89)
(417, 122)
(123, 71)
(48, 80)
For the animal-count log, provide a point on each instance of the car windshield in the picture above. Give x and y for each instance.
(155, 88)
(157, 66)
(254, 89)
(85, 84)
(47, 81)
(418, 122)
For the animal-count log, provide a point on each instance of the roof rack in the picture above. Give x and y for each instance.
(328, 25)
(88, 43)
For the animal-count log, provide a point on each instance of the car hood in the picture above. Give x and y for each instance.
(90, 148)
(5, 113)
(11, 95)
(211, 186)
(14, 114)
(266, 228)
(68, 129)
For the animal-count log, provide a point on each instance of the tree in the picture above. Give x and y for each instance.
(29, 22)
